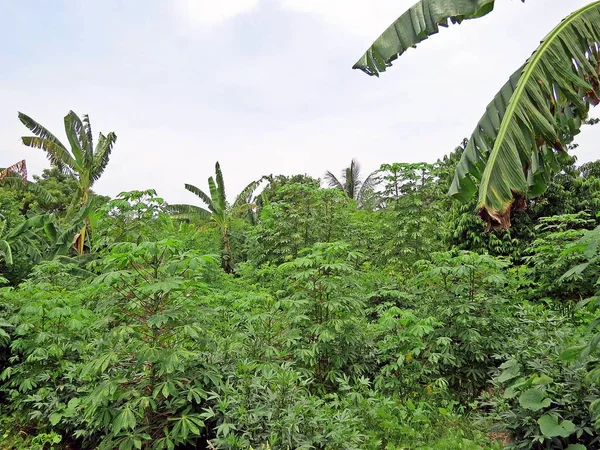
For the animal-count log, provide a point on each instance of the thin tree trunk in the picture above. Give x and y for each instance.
(226, 254)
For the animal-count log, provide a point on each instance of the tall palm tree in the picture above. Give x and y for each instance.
(520, 142)
(218, 211)
(83, 160)
(351, 182)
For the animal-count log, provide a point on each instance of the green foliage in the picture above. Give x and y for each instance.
(390, 324)
(556, 251)
(326, 312)
(302, 216)
(415, 210)
(472, 298)
(219, 213)
(422, 20)
(539, 399)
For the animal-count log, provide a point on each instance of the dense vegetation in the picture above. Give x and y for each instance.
(375, 313)
(372, 314)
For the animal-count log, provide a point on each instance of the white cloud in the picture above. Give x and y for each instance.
(361, 17)
(210, 12)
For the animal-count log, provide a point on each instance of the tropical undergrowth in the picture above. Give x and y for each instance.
(319, 340)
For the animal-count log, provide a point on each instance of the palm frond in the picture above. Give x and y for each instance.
(41, 193)
(75, 263)
(353, 180)
(518, 144)
(368, 186)
(50, 230)
(65, 240)
(332, 181)
(102, 154)
(422, 20)
(200, 193)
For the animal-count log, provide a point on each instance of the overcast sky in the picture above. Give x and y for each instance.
(263, 86)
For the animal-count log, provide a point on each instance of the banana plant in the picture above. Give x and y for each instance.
(15, 177)
(521, 140)
(21, 237)
(83, 160)
(218, 211)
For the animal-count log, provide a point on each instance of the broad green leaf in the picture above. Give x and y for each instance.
(550, 427)
(541, 380)
(521, 140)
(509, 373)
(534, 400)
(422, 20)
(6, 252)
(572, 353)
(55, 418)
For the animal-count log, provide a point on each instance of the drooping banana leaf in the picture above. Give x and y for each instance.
(6, 252)
(518, 144)
(57, 153)
(16, 170)
(203, 196)
(245, 196)
(422, 20)
(188, 212)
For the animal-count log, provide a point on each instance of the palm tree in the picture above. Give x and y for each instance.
(83, 160)
(520, 142)
(351, 182)
(218, 211)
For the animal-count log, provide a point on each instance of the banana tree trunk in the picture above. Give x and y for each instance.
(79, 243)
(226, 254)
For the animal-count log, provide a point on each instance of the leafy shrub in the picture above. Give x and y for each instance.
(471, 298)
(539, 399)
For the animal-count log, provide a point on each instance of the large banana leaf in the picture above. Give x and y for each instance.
(188, 212)
(6, 252)
(57, 153)
(220, 187)
(244, 198)
(517, 145)
(414, 26)
(102, 154)
(203, 196)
